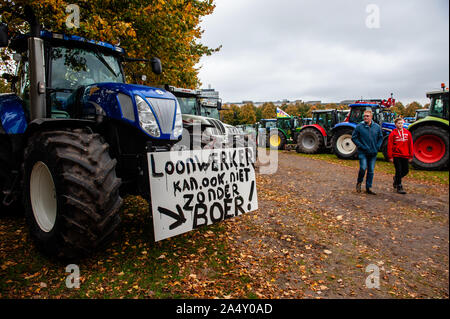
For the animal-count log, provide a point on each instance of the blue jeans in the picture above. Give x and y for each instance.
(366, 163)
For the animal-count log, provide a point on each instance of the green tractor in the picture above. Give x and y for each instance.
(278, 132)
(430, 134)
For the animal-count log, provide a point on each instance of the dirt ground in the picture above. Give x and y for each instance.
(314, 235)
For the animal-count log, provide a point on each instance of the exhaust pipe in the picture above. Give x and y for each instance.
(37, 66)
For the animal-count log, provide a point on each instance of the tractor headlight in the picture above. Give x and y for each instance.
(178, 128)
(147, 119)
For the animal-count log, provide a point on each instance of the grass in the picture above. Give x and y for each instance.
(438, 177)
(132, 267)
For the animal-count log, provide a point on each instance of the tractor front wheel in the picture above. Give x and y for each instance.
(309, 141)
(343, 145)
(276, 140)
(430, 148)
(71, 192)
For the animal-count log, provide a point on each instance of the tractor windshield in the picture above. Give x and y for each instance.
(210, 112)
(74, 67)
(421, 114)
(439, 107)
(357, 114)
(188, 105)
(270, 124)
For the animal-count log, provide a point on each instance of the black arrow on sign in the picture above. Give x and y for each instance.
(180, 219)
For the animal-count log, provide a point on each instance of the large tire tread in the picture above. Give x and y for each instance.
(336, 151)
(318, 138)
(88, 194)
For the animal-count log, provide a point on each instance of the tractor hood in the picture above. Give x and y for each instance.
(212, 125)
(130, 89)
(153, 110)
(391, 126)
(189, 119)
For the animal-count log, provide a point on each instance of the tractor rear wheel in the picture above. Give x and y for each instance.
(343, 145)
(309, 141)
(71, 192)
(430, 148)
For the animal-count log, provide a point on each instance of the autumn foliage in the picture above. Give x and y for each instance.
(245, 114)
(167, 29)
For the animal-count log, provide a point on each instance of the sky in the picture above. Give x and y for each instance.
(328, 50)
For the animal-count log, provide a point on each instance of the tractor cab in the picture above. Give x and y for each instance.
(342, 143)
(357, 112)
(306, 121)
(420, 114)
(325, 118)
(198, 107)
(342, 115)
(439, 104)
(70, 66)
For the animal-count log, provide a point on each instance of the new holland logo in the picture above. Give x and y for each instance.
(159, 92)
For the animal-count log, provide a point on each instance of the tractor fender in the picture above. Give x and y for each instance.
(343, 125)
(317, 127)
(52, 124)
(427, 121)
(388, 127)
(12, 116)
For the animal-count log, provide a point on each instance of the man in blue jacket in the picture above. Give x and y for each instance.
(368, 137)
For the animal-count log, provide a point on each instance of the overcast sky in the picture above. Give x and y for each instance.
(328, 50)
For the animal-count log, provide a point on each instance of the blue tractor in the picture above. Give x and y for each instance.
(342, 143)
(74, 137)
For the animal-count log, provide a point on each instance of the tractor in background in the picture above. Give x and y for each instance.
(203, 111)
(263, 127)
(316, 137)
(276, 133)
(342, 143)
(430, 134)
(421, 114)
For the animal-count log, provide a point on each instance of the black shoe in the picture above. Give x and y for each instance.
(400, 189)
(358, 187)
(368, 191)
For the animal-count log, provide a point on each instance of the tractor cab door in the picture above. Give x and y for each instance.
(378, 116)
(439, 106)
(23, 84)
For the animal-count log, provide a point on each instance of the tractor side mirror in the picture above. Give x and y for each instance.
(156, 65)
(3, 35)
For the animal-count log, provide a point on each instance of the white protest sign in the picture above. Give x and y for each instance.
(190, 189)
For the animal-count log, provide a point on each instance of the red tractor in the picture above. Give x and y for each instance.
(316, 137)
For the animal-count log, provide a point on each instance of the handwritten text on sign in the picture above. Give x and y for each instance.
(190, 189)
